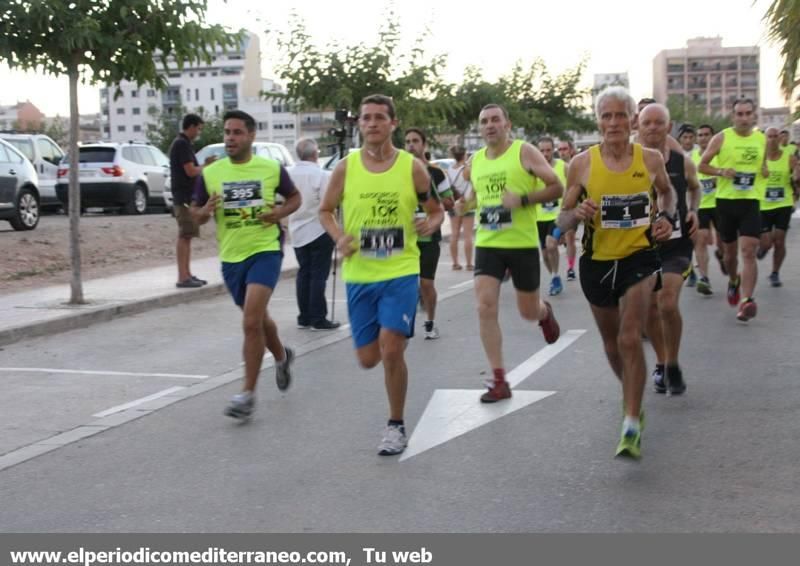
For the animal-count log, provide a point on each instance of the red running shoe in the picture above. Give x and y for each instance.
(498, 390)
(549, 325)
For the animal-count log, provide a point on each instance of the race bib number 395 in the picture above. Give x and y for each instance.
(242, 194)
(625, 211)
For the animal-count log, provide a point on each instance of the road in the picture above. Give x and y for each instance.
(721, 458)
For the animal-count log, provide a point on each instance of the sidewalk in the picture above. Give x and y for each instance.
(45, 311)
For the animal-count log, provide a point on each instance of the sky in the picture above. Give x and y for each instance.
(615, 36)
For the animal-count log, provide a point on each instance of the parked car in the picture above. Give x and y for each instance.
(445, 163)
(264, 149)
(128, 175)
(19, 192)
(45, 155)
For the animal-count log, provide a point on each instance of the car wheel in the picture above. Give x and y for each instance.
(26, 216)
(138, 202)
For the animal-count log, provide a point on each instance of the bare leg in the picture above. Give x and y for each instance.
(183, 251)
(750, 265)
(487, 293)
(780, 250)
(428, 292)
(634, 307)
(253, 323)
(607, 319)
(701, 251)
(468, 223)
(455, 232)
(668, 306)
(395, 371)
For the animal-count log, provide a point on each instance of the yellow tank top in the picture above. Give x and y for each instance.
(499, 227)
(621, 226)
(745, 155)
(708, 183)
(378, 211)
(777, 191)
(546, 211)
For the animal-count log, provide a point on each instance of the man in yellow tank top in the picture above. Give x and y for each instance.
(504, 178)
(379, 188)
(740, 172)
(619, 267)
(239, 192)
(778, 203)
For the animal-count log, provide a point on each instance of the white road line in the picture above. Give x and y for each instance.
(462, 284)
(96, 372)
(120, 408)
(540, 358)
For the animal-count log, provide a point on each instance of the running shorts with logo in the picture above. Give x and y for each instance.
(390, 304)
(263, 268)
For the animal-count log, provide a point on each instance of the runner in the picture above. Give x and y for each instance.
(741, 172)
(504, 175)
(429, 250)
(787, 145)
(239, 192)
(546, 214)
(707, 214)
(460, 224)
(379, 188)
(664, 323)
(777, 204)
(566, 151)
(686, 138)
(620, 267)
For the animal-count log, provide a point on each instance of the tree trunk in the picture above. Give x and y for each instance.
(76, 286)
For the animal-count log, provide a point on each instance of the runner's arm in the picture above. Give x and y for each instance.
(710, 153)
(665, 195)
(422, 183)
(536, 165)
(203, 205)
(327, 210)
(572, 213)
(692, 194)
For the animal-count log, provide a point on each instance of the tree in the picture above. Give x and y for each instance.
(162, 127)
(783, 21)
(683, 111)
(106, 41)
(57, 131)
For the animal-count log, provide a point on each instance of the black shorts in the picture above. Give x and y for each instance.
(523, 263)
(707, 217)
(605, 282)
(677, 258)
(778, 218)
(738, 217)
(545, 229)
(428, 259)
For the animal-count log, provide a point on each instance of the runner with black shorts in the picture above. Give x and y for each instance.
(706, 214)
(664, 323)
(741, 173)
(620, 268)
(504, 176)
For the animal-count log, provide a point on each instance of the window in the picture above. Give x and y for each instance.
(137, 128)
(203, 74)
(174, 75)
(214, 74)
(212, 93)
(136, 111)
(120, 111)
(4, 155)
(50, 152)
(120, 128)
(25, 147)
(731, 81)
(197, 94)
(145, 156)
(715, 81)
(216, 109)
(151, 93)
(158, 157)
(675, 83)
(188, 94)
(697, 65)
(749, 62)
(675, 65)
(134, 94)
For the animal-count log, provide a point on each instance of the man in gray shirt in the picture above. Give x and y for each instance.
(312, 245)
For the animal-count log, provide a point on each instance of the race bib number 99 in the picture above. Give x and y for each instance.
(381, 243)
(625, 211)
(744, 181)
(242, 194)
(495, 218)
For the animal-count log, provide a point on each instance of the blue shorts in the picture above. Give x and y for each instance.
(263, 268)
(389, 304)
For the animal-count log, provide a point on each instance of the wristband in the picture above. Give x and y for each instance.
(663, 214)
(523, 200)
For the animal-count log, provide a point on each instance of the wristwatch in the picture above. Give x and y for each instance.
(663, 214)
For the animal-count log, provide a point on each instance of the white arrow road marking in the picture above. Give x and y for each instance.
(453, 412)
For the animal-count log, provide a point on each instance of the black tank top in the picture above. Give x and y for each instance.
(677, 176)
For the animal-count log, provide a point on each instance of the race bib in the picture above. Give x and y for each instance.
(625, 211)
(744, 181)
(676, 229)
(709, 185)
(550, 206)
(381, 243)
(495, 218)
(241, 194)
(775, 194)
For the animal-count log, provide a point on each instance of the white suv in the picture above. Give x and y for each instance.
(45, 156)
(127, 175)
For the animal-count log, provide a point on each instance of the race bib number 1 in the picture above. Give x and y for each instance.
(744, 181)
(381, 243)
(495, 218)
(625, 211)
(242, 194)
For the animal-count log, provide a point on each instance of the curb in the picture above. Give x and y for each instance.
(108, 313)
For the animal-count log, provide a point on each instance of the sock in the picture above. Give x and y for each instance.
(499, 375)
(400, 424)
(571, 262)
(630, 423)
(660, 367)
(428, 325)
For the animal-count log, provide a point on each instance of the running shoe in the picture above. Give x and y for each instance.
(630, 444)
(659, 386)
(394, 441)
(747, 310)
(674, 379)
(326, 324)
(556, 286)
(761, 253)
(241, 406)
(283, 370)
(722, 268)
(704, 286)
(691, 281)
(431, 331)
(570, 275)
(733, 291)
(775, 279)
(498, 390)
(549, 326)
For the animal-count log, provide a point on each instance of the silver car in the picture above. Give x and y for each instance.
(19, 192)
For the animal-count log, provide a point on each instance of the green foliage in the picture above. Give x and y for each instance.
(161, 128)
(683, 111)
(783, 21)
(57, 131)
